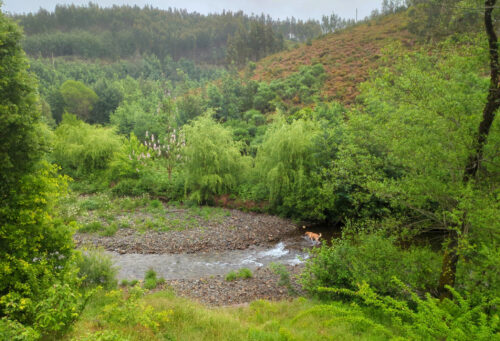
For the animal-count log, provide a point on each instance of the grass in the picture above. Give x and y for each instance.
(242, 273)
(163, 316)
(104, 214)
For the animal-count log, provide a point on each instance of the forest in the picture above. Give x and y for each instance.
(141, 132)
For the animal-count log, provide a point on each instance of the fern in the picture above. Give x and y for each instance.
(430, 318)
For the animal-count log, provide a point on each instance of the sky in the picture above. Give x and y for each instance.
(302, 9)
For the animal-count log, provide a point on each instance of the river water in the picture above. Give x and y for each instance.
(199, 265)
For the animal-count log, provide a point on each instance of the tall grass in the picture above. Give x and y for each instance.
(300, 319)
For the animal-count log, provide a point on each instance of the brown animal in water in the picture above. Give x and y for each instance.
(313, 236)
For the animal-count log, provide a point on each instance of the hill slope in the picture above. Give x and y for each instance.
(347, 56)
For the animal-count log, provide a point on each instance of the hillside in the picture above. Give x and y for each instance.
(125, 32)
(347, 56)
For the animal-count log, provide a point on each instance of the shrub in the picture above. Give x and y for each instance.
(15, 331)
(131, 310)
(150, 283)
(231, 276)
(284, 280)
(150, 280)
(430, 318)
(245, 273)
(374, 259)
(242, 273)
(82, 149)
(96, 268)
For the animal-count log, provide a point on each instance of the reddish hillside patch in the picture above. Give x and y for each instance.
(347, 56)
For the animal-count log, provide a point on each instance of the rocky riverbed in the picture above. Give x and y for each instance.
(236, 231)
(195, 259)
(216, 291)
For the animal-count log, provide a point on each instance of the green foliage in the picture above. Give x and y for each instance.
(411, 145)
(131, 162)
(58, 307)
(253, 44)
(212, 160)
(374, 259)
(150, 280)
(242, 273)
(430, 318)
(231, 276)
(82, 149)
(109, 230)
(124, 31)
(35, 248)
(107, 335)
(120, 309)
(292, 163)
(96, 269)
(284, 274)
(78, 99)
(145, 110)
(94, 226)
(15, 331)
(438, 19)
(109, 98)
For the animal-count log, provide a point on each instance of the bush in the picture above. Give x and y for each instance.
(82, 149)
(96, 268)
(231, 276)
(374, 259)
(150, 280)
(430, 318)
(242, 273)
(245, 273)
(15, 331)
(284, 280)
(154, 182)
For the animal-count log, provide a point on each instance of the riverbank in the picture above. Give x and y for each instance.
(151, 227)
(217, 291)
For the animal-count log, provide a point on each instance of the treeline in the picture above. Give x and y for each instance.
(434, 20)
(124, 31)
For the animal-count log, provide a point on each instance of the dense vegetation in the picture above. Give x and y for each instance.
(124, 32)
(417, 154)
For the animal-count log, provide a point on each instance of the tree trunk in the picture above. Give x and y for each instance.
(450, 258)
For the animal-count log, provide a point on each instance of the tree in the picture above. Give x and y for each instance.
(109, 98)
(412, 149)
(448, 273)
(78, 99)
(213, 163)
(35, 248)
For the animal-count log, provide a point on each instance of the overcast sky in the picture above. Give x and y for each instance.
(303, 9)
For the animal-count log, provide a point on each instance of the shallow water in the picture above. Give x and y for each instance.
(199, 265)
